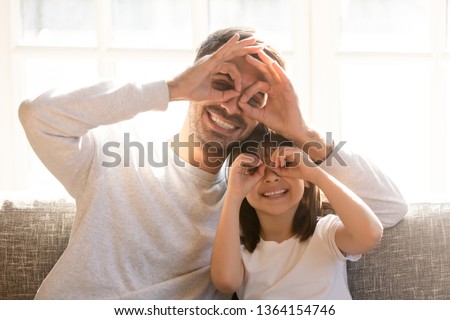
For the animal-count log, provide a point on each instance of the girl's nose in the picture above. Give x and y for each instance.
(270, 176)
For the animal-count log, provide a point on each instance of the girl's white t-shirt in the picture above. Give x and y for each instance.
(313, 269)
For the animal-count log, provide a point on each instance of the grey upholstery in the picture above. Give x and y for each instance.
(411, 262)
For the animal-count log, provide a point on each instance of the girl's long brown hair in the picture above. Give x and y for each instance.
(309, 209)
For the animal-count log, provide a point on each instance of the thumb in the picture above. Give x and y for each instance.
(254, 113)
(227, 95)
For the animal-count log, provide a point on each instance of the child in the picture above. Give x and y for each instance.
(273, 241)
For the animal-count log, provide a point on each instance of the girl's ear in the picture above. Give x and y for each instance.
(306, 183)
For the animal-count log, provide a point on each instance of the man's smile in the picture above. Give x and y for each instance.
(222, 123)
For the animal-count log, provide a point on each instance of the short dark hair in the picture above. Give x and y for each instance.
(218, 38)
(310, 207)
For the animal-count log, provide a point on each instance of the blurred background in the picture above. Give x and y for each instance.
(375, 73)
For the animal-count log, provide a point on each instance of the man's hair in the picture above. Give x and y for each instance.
(310, 207)
(218, 38)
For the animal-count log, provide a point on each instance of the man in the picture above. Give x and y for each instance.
(144, 231)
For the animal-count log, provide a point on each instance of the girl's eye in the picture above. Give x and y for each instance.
(251, 170)
(221, 85)
(289, 164)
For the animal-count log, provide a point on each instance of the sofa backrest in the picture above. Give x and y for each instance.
(411, 262)
(33, 235)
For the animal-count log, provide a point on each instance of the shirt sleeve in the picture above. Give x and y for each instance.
(326, 230)
(59, 125)
(368, 182)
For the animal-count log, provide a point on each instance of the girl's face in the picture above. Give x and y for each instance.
(275, 195)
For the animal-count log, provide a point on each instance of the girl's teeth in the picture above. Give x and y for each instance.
(222, 124)
(274, 193)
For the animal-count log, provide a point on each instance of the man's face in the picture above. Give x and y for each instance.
(224, 122)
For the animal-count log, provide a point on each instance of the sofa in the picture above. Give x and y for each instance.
(411, 262)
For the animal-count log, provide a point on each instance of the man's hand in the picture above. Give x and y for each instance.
(194, 84)
(282, 112)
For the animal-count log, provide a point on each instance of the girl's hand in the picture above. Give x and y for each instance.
(194, 84)
(293, 162)
(246, 171)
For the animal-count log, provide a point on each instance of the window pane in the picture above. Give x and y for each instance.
(157, 126)
(258, 14)
(41, 74)
(150, 70)
(393, 25)
(152, 23)
(385, 115)
(59, 22)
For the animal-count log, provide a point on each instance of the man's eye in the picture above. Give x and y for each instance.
(254, 102)
(259, 100)
(221, 85)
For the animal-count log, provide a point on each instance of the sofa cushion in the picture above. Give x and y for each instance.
(33, 236)
(411, 262)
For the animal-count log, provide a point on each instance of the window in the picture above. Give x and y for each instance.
(380, 73)
(374, 72)
(48, 43)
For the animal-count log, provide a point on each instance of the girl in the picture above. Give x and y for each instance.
(273, 241)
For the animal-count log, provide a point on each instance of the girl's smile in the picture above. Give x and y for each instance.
(275, 195)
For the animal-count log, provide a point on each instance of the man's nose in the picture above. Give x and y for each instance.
(232, 105)
(270, 176)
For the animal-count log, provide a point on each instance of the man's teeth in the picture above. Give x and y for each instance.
(274, 193)
(222, 124)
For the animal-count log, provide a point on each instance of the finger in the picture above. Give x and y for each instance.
(247, 41)
(259, 173)
(242, 47)
(284, 152)
(256, 95)
(281, 73)
(248, 160)
(239, 52)
(233, 48)
(258, 114)
(293, 156)
(284, 172)
(223, 96)
(265, 65)
(225, 48)
(279, 156)
(231, 70)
